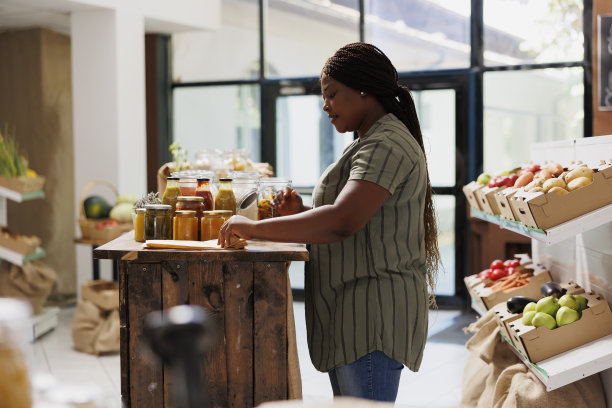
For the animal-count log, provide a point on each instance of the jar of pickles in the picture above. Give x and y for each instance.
(225, 199)
(268, 187)
(139, 218)
(212, 222)
(185, 225)
(158, 221)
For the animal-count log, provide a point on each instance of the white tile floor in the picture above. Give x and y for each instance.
(437, 384)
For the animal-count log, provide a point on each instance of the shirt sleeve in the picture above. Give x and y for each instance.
(379, 163)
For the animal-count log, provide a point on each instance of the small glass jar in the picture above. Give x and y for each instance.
(225, 199)
(268, 187)
(158, 221)
(185, 225)
(203, 190)
(246, 187)
(139, 218)
(193, 203)
(171, 192)
(212, 222)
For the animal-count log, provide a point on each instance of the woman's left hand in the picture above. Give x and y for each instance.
(237, 225)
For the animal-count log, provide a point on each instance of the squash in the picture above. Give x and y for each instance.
(96, 207)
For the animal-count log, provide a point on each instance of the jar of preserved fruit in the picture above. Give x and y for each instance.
(193, 203)
(212, 222)
(171, 192)
(139, 218)
(246, 187)
(185, 225)
(225, 199)
(268, 187)
(203, 190)
(158, 221)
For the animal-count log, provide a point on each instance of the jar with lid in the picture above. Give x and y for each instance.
(203, 190)
(225, 199)
(193, 203)
(171, 192)
(268, 187)
(158, 221)
(246, 187)
(185, 225)
(212, 222)
(234, 160)
(139, 218)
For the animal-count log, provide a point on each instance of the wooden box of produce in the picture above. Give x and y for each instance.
(22, 244)
(540, 343)
(486, 199)
(23, 185)
(470, 194)
(546, 210)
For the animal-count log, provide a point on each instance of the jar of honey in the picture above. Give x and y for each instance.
(158, 221)
(185, 225)
(212, 222)
(225, 199)
(139, 218)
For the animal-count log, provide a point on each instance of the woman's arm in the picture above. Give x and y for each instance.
(357, 203)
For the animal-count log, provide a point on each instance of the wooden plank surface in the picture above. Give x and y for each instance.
(270, 331)
(255, 251)
(124, 334)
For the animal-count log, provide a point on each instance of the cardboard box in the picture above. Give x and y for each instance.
(543, 211)
(540, 343)
(23, 185)
(486, 199)
(102, 293)
(502, 199)
(20, 246)
(470, 194)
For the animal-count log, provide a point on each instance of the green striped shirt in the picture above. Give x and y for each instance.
(369, 292)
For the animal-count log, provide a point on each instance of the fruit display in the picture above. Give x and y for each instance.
(554, 310)
(506, 274)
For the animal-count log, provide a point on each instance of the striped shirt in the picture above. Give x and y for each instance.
(369, 292)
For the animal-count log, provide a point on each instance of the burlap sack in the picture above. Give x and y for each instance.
(32, 281)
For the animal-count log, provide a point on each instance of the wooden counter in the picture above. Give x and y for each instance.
(246, 291)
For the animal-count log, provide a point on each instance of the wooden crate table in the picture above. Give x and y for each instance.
(246, 291)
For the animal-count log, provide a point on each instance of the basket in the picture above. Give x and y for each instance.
(89, 227)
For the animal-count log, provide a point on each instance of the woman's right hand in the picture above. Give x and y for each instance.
(287, 202)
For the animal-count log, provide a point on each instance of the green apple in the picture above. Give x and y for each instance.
(569, 301)
(582, 301)
(566, 315)
(528, 317)
(529, 307)
(483, 178)
(548, 305)
(503, 173)
(544, 319)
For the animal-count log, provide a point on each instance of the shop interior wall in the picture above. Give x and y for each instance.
(36, 101)
(602, 120)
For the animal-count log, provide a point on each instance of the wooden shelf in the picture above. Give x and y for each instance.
(19, 197)
(19, 259)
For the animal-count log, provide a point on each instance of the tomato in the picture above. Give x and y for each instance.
(497, 273)
(497, 264)
(486, 274)
(515, 263)
(510, 270)
(533, 168)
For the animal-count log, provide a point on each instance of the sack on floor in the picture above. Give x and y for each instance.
(33, 281)
(95, 327)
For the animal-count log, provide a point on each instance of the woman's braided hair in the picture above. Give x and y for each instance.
(364, 67)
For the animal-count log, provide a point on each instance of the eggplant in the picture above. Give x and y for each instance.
(516, 304)
(552, 289)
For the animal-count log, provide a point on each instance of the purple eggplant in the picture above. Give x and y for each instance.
(516, 304)
(552, 289)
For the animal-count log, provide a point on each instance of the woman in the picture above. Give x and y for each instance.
(372, 230)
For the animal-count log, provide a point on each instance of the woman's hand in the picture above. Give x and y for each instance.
(237, 225)
(287, 202)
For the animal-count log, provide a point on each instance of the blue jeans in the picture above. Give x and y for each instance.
(374, 376)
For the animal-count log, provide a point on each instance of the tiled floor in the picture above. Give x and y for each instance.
(437, 384)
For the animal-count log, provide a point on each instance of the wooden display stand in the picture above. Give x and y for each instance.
(246, 291)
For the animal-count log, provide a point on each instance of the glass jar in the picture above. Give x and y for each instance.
(212, 222)
(234, 160)
(158, 221)
(187, 186)
(268, 187)
(171, 192)
(246, 187)
(203, 190)
(193, 203)
(207, 159)
(185, 225)
(225, 199)
(139, 218)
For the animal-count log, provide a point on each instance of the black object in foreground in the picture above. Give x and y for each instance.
(516, 304)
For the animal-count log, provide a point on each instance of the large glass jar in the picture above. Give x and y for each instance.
(207, 159)
(171, 192)
(203, 190)
(246, 187)
(139, 218)
(225, 199)
(186, 225)
(268, 187)
(158, 221)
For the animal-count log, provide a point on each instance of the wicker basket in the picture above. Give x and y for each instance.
(89, 227)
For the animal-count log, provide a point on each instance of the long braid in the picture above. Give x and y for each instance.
(364, 67)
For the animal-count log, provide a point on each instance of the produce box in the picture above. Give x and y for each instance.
(102, 293)
(540, 343)
(21, 244)
(486, 199)
(502, 199)
(543, 211)
(23, 185)
(470, 193)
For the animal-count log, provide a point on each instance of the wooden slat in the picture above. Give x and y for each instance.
(206, 289)
(238, 290)
(124, 334)
(175, 287)
(146, 372)
(270, 331)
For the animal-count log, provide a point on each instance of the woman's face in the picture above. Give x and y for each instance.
(345, 106)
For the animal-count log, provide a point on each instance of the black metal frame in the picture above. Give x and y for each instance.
(468, 84)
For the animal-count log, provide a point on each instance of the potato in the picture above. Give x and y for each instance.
(578, 182)
(524, 179)
(536, 190)
(555, 168)
(544, 174)
(582, 171)
(558, 190)
(537, 182)
(553, 182)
